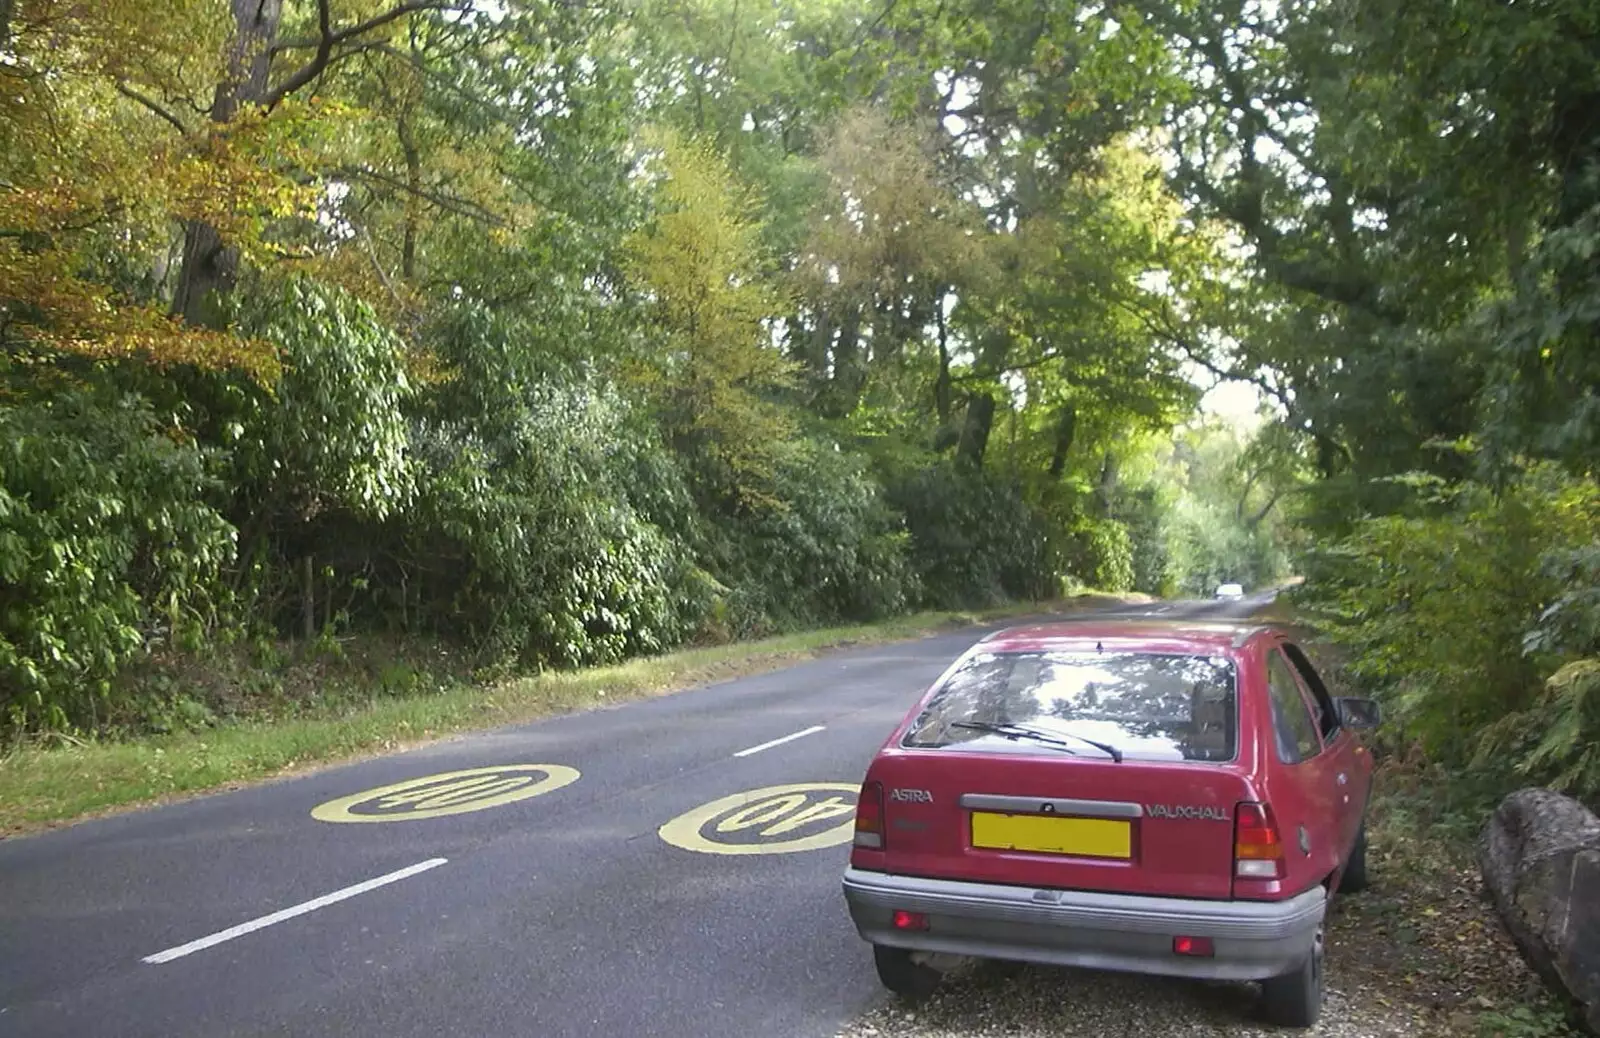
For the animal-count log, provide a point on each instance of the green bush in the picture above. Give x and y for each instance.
(1100, 554)
(527, 542)
(1141, 511)
(829, 549)
(332, 433)
(974, 540)
(1471, 615)
(107, 548)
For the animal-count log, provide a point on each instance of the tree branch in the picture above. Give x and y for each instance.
(328, 40)
(333, 39)
(313, 68)
(1277, 495)
(460, 206)
(84, 223)
(152, 105)
(1022, 365)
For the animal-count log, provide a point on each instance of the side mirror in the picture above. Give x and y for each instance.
(1358, 713)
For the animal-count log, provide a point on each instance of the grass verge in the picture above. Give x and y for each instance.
(44, 787)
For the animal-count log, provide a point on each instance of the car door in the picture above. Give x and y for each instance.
(1353, 774)
(1314, 816)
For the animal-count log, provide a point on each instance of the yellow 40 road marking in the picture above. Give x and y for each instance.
(447, 793)
(805, 816)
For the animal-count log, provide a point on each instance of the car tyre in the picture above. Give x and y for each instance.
(1295, 999)
(903, 975)
(1354, 878)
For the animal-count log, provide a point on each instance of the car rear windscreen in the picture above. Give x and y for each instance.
(1149, 706)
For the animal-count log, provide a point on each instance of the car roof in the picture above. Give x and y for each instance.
(1148, 634)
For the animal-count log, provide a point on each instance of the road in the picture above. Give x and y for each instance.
(565, 913)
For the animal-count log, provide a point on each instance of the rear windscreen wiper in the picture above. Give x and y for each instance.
(1110, 750)
(1017, 731)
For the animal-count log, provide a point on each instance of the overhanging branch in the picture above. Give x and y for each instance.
(450, 203)
(328, 40)
(333, 39)
(1196, 355)
(152, 105)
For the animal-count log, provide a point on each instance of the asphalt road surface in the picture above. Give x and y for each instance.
(551, 901)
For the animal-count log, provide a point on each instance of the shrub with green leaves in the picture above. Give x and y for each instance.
(1471, 614)
(532, 538)
(974, 540)
(107, 548)
(827, 548)
(332, 432)
(1099, 553)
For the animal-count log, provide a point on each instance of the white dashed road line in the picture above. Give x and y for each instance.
(814, 729)
(289, 913)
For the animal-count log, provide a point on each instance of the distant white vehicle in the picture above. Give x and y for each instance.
(1230, 591)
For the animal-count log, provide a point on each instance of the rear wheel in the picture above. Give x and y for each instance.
(1295, 999)
(903, 974)
(1354, 878)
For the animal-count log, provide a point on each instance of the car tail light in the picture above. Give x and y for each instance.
(869, 816)
(1199, 947)
(1257, 851)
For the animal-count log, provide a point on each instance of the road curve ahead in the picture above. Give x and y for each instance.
(667, 868)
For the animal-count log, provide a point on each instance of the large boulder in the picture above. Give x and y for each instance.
(1540, 858)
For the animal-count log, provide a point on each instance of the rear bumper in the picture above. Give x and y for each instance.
(1253, 940)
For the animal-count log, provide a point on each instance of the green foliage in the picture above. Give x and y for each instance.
(974, 540)
(829, 549)
(699, 263)
(331, 433)
(106, 550)
(1546, 348)
(1554, 741)
(1457, 613)
(1546, 1019)
(1099, 553)
(569, 334)
(1210, 546)
(1205, 506)
(1142, 511)
(527, 539)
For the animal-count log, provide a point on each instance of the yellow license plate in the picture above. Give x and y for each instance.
(1081, 837)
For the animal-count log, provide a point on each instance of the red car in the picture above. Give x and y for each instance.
(1156, 798)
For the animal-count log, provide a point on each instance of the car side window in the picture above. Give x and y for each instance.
(1296, 732)
(1327, 716)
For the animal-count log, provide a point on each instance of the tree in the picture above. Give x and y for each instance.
(700, 265)
(91, 178)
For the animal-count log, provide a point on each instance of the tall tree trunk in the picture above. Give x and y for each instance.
(1066, 432)
(413, 157)
(309, 597)
(975, 431)
(1110, 471)
(941, 387)
(814, 348)
(1327, 457)
(210, 265)
(849, 366)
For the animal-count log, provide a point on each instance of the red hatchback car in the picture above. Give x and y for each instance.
(1156, 798)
